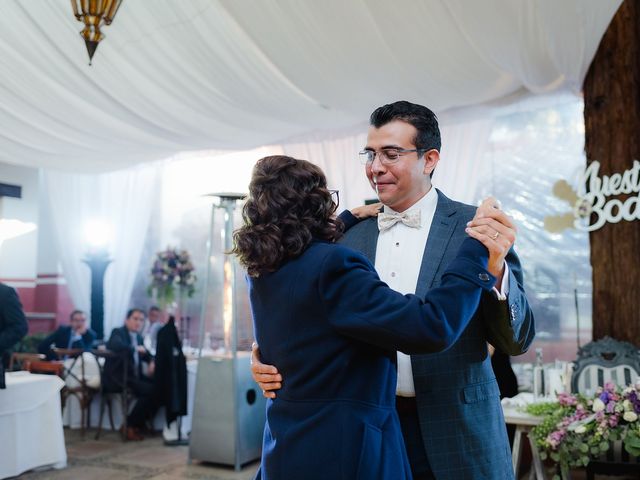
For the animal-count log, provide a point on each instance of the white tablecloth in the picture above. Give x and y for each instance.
(31, 434)
(72, 414)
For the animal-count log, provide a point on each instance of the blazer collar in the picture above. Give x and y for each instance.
(442, 227)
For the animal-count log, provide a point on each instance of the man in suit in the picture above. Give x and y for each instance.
(13, 324)
(127, 341)
(448, 402)
(74, 335)
(154, 323)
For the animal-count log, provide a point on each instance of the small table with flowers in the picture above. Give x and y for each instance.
(524, 422)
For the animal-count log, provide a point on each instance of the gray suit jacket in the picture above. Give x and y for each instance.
(458, 398)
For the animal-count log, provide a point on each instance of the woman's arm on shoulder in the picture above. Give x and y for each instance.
(357, 214)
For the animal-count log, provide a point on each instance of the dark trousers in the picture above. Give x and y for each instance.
(410, 424)
(146, 405)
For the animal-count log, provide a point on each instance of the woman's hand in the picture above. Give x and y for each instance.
(366, 210)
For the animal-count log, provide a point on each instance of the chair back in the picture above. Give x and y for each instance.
(81, 369)
(605, 360)
(108, 382)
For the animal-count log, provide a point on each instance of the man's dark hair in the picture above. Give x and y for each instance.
(153, 308)
(75, 312)
(423, 119)
(134, 310)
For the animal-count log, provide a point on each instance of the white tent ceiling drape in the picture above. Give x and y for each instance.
(225, 74)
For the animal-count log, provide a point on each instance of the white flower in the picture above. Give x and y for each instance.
(627, 406)
(581, 429)
(598, 405)
(630, 416)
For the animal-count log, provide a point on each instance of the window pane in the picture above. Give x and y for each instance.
(528, 152)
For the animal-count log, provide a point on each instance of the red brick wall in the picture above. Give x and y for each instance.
(46, 300)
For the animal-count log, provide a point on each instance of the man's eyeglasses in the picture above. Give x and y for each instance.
(387, 156)
(335, 196)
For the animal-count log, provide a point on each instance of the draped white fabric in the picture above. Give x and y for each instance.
(226, 74)
(462, 158)
(122, 201)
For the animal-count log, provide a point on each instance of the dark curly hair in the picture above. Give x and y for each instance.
(288, 205)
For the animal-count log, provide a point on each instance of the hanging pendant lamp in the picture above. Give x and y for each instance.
(94, 14)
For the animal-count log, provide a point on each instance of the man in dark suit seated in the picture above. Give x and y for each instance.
(74, 335)
(127, 340)
(13, 324)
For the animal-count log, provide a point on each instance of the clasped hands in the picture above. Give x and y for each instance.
(495, 230)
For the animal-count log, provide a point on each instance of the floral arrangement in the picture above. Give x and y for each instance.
(172, 270)
(577, 429)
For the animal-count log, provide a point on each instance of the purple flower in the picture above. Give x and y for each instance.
(566, 399)
(556, 437)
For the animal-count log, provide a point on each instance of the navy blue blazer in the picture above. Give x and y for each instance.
(458, 398)
(120, 342)
(60, 339)
(332, 328)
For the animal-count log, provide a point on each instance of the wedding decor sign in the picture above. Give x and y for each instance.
(172, 273)
(577, 429)
(597, 205)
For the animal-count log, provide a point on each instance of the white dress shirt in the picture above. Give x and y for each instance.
(398, 262)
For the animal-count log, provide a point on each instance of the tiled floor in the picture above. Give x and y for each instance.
(111, 459)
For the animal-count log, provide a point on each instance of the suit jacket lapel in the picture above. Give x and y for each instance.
(442, 227)
(370, 239)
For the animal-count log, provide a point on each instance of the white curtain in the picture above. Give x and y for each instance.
(462, 158)
(338, 158)
(228, 74)
(122, 201)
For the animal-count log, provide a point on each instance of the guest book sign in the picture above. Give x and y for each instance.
(599, 203)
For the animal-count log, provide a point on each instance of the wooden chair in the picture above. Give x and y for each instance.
(108, 392)
(76, 384)
(602, 361)
(20, 360)
(599, 362)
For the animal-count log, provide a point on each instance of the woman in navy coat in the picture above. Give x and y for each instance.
(332, 327)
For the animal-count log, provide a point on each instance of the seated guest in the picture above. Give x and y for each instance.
(127, 340)
(74, 335)
(154, 324)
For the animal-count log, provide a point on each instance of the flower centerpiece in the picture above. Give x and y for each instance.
(172, 271)
(577, 429)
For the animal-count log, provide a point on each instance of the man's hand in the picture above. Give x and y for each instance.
(152, 368)
(266, 376)
(366, 210)
(495, 230)
(141, 349)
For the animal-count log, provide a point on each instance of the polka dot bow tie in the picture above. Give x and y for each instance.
(388, 220)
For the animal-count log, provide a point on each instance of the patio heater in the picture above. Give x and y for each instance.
(228, 412)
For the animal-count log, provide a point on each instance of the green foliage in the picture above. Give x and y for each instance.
(29, 344)
(632, 442)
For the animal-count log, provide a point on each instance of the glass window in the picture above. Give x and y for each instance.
(529, 151)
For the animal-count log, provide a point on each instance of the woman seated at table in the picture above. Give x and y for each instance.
(74, 335)
(332, 327)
